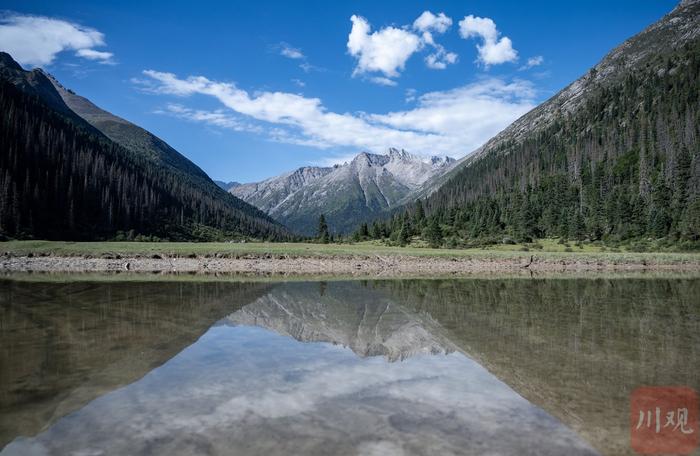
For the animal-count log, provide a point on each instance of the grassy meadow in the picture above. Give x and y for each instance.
(550, 249)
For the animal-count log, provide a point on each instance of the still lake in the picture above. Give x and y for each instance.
(455, 366)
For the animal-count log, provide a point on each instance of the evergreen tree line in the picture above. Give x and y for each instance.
(403, 226)
(62, 180)
(625, 166)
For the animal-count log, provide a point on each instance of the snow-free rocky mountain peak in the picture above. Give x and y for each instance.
(346, 194)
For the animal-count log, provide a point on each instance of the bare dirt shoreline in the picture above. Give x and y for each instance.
(342, 265)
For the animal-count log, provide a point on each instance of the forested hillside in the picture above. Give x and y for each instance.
(615, 156)
(61, 179)
(625, 165)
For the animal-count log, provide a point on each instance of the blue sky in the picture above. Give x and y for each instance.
(248, 90)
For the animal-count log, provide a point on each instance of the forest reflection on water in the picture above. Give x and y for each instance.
(459, 366)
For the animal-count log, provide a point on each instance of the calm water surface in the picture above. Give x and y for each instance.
(468, 366)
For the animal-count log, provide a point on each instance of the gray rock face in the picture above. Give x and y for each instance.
(346, 194)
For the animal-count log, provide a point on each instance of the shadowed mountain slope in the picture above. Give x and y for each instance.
(94, 176)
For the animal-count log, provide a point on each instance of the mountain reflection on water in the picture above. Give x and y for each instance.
(385, 367)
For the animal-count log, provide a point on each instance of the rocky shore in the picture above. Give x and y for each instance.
(342, 265)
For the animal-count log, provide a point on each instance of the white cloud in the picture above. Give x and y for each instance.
(36, 40)
(101, 56)
(284, 136)
(217, 118)
(493, 51)
(385, 51)
(428, 22)
(290, 52)
(411, 95)
(334, 160)
(532, 62)
(453, 122)
(307, 115)
(440, 59)
(307, 67)
(383, 81)
(299, 83)
(465, 117)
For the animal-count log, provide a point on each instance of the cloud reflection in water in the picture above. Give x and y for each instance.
(249, 390)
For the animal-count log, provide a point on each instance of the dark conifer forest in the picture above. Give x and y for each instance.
(61, 179)
(626, 165)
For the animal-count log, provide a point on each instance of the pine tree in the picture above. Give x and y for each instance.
(527, 221)
(690, 223)
(404, 236)
(577, 226)
(418, 214)
(364, 231)
(323, 234)
(680, 188)
(377, 230)
(659, 217)
(434, 233)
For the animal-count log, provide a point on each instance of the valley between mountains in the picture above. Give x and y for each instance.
(613, 159)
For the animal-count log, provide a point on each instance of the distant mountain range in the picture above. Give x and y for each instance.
(346, 194)
(87, 174)
(614, 155)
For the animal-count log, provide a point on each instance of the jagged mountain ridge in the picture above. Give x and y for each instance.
(346, 194)
(75, 181)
